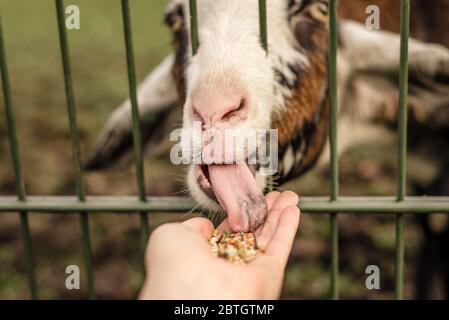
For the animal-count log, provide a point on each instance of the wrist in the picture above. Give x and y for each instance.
(200, 284)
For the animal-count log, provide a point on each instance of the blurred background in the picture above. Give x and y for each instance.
(100, 82)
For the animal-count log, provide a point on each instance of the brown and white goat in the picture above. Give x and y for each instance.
(231, 76)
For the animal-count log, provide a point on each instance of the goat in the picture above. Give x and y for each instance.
(286, 89)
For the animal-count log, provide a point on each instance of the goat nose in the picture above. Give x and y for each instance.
(213, 111)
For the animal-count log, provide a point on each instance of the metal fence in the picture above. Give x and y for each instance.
(85, 205)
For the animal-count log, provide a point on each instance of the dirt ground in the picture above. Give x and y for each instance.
(99, 73)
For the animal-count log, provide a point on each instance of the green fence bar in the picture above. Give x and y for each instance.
(137, 145)
(194, 38)
(333, 98)
(263, 24)
(315, 205)
(15, 155)
(399, 258)
(71, 110)
(333, 143)
(402, 148)
(264, 41)
(403, 92)
(334, 292)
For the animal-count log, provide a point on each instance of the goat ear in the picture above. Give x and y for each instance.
(309, 23)
(156, 97)
(174, 17)
(369, 61)
(316, 10)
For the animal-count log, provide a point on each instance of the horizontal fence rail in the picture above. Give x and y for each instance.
(318, 205)
(397, 206)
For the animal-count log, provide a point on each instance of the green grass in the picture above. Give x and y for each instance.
(99, 73)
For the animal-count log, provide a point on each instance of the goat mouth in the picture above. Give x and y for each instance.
(203, 180)
(234, 188)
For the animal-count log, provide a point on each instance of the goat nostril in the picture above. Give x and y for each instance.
(241, 105)
(216, 109)
(235, 111)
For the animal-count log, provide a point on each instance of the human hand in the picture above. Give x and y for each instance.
(180, 264)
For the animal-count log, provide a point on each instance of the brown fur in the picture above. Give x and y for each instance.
(306, 113)
(302, 107)
(428, 18)
(305, 116)
(176, 21)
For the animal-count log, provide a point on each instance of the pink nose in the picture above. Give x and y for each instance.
(213, 109)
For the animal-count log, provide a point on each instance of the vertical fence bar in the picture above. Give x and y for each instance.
(194, 38)
(334, 256)
(79, 180)
(402, 147)
(264, 42)
(15, 154)
(333, 143)
(399, 258)
(137, 140)
(263, 24)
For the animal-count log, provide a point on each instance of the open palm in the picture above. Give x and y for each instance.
(181, 266)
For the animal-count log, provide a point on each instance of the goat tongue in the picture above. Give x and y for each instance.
(237, 192)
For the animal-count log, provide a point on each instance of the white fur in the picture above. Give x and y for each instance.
(230, 54)
(370, 50)
(363, 90)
